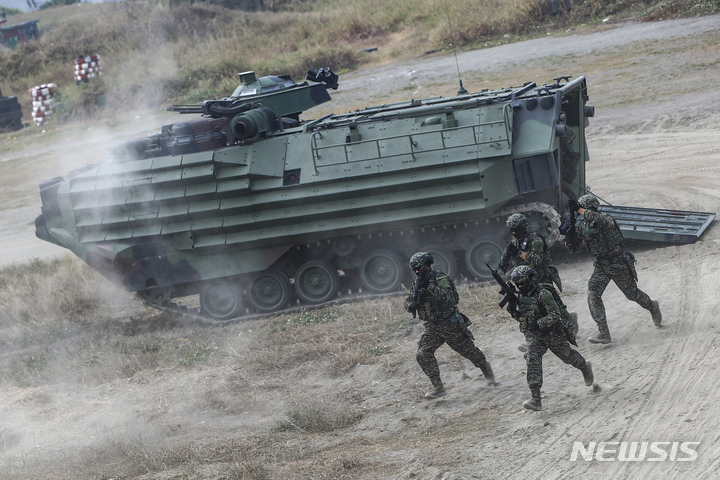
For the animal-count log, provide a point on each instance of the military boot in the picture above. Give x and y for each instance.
(588, 373)
(534, 403)
(602, 337)
(489, 375)
(655, 312)
(439, 389)
(524, 347)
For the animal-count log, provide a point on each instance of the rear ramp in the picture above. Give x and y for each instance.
(659, 225)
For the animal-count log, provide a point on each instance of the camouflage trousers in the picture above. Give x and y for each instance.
(539, 344)
(456, 335)
(619, 272)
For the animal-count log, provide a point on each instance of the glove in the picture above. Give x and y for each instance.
(503, 266)
(422, 282)
(412, 307)
(512, 249)
(573, 205)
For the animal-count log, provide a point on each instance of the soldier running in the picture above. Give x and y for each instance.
(435, 299)
(544, 321)
(530, 248)
(604, 240)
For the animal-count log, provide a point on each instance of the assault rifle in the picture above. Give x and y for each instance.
(509, 293)
(567, 228)
(416, 300)
(418, 290)
(509, 252)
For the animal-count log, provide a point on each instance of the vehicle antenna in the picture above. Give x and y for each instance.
(462, 90)
(587, 190)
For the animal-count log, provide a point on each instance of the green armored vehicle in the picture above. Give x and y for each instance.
(256, 210)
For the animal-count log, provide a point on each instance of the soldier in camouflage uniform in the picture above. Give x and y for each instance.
(530, 248)
(544, 321)
(603, 239)
(435, 299)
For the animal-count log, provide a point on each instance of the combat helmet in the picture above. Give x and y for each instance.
(589, 201)
(518, 224)
(523, 277)
(420, 263)
(420, 259)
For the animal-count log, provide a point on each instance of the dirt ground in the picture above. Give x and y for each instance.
(654, 142)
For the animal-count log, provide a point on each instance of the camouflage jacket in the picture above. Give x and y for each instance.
(600, 234)
(537, 255)
(436, 302)
(541, 306)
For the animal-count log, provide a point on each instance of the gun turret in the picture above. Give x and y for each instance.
(279, 93)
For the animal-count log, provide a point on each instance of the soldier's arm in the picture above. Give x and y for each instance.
(534, 255)
(511, 250)
(602, 221)
(553, 315)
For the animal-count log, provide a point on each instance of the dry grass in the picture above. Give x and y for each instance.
(62, 326)
(316, 419)
(61, 320)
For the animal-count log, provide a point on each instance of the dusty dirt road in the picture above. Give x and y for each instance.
(654, 142)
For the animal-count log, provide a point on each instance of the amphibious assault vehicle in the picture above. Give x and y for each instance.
(255, 209)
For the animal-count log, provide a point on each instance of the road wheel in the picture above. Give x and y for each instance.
(221, 300)
(317, 281)
(268, 291)
(382, 271)
(485, 250)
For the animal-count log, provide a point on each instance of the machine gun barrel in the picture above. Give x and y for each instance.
(192, 109)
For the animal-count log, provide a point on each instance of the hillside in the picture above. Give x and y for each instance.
(99, 386)
(156, 53)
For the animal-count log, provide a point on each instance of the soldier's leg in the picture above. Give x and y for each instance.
(533, 358)
(624, 279)
(562, 349)
(573, 317)
(596, 287)
(429, 342)
(458, 340)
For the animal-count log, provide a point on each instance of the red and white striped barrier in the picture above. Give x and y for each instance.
(42, 102)
(87, 68)
(44, 90)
